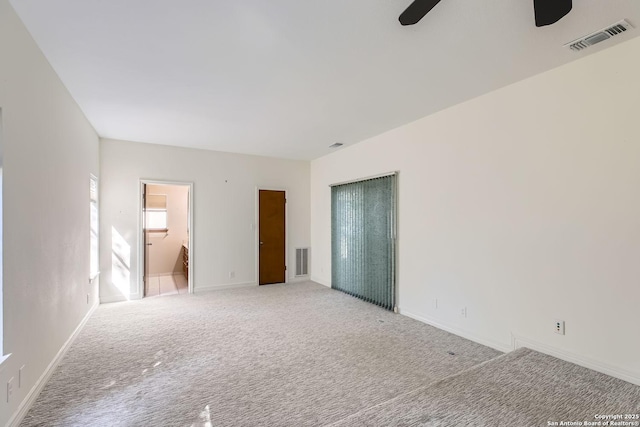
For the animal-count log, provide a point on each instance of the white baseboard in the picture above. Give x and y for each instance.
(321, 281)
(605, 368)
(299, 279)
(456, 331)
(245, 284)
(134, 296)
(112, 298)
(31, 397)
(205, 288)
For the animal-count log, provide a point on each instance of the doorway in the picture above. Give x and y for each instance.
(272, 265)
(167, 259)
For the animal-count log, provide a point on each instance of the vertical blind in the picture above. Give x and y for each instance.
(363, 246)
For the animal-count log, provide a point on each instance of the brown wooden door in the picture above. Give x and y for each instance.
(271, 226)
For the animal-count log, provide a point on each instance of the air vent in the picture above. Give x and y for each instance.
(302, 261)
(599, 36)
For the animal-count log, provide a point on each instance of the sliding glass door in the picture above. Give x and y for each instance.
(363, 232)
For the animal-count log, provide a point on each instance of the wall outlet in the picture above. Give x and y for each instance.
(435, 303)
(232, 274)
(559, 327)
(9, 389)
(21, 376)
(463, 312)
(88, 295)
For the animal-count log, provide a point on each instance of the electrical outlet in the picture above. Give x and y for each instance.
(9, 389)
(232, 274)
(88, 298)
(463, 312)
(21, 376)
(559, 327)
(435, 304)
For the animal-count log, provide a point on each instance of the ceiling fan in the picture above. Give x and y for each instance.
(547, 12)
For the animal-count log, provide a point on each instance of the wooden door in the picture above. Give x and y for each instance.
(271, 226)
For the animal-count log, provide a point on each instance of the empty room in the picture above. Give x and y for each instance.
(285, 213)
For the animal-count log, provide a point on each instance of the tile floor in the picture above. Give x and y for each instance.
(167, 284)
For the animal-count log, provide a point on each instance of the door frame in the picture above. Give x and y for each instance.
(257, 231)
(141, 241)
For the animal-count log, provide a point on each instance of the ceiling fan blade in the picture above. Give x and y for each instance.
(550, 11)
(416, 11)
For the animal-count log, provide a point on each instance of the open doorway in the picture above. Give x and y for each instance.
(166, 236)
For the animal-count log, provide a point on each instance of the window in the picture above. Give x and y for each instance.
(156, 212)
(94, 227)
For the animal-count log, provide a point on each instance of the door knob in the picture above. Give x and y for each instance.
(262, 243)
(149, 244)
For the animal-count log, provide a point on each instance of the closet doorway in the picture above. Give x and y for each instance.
(166, 255)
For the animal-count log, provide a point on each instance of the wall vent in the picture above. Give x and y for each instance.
(302, 261)
(599, 36)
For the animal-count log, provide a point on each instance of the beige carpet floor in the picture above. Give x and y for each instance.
(521, 388)
(278, 355)
(294, 355)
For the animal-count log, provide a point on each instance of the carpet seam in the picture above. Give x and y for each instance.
(431, 384)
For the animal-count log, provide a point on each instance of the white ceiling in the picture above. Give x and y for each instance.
(288, 78)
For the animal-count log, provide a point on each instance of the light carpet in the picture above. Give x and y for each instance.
(278, 355)
(521, 388)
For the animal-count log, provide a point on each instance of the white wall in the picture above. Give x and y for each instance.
(521, 205)
(50, 150)
(165, 252)
(224, 198)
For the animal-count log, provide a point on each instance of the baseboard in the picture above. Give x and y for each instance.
(31, 397)
(299, 279)
(112, 298)
(321, 281)
(460, 332)
(134, 296)
(205, 288)
(605, 368)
